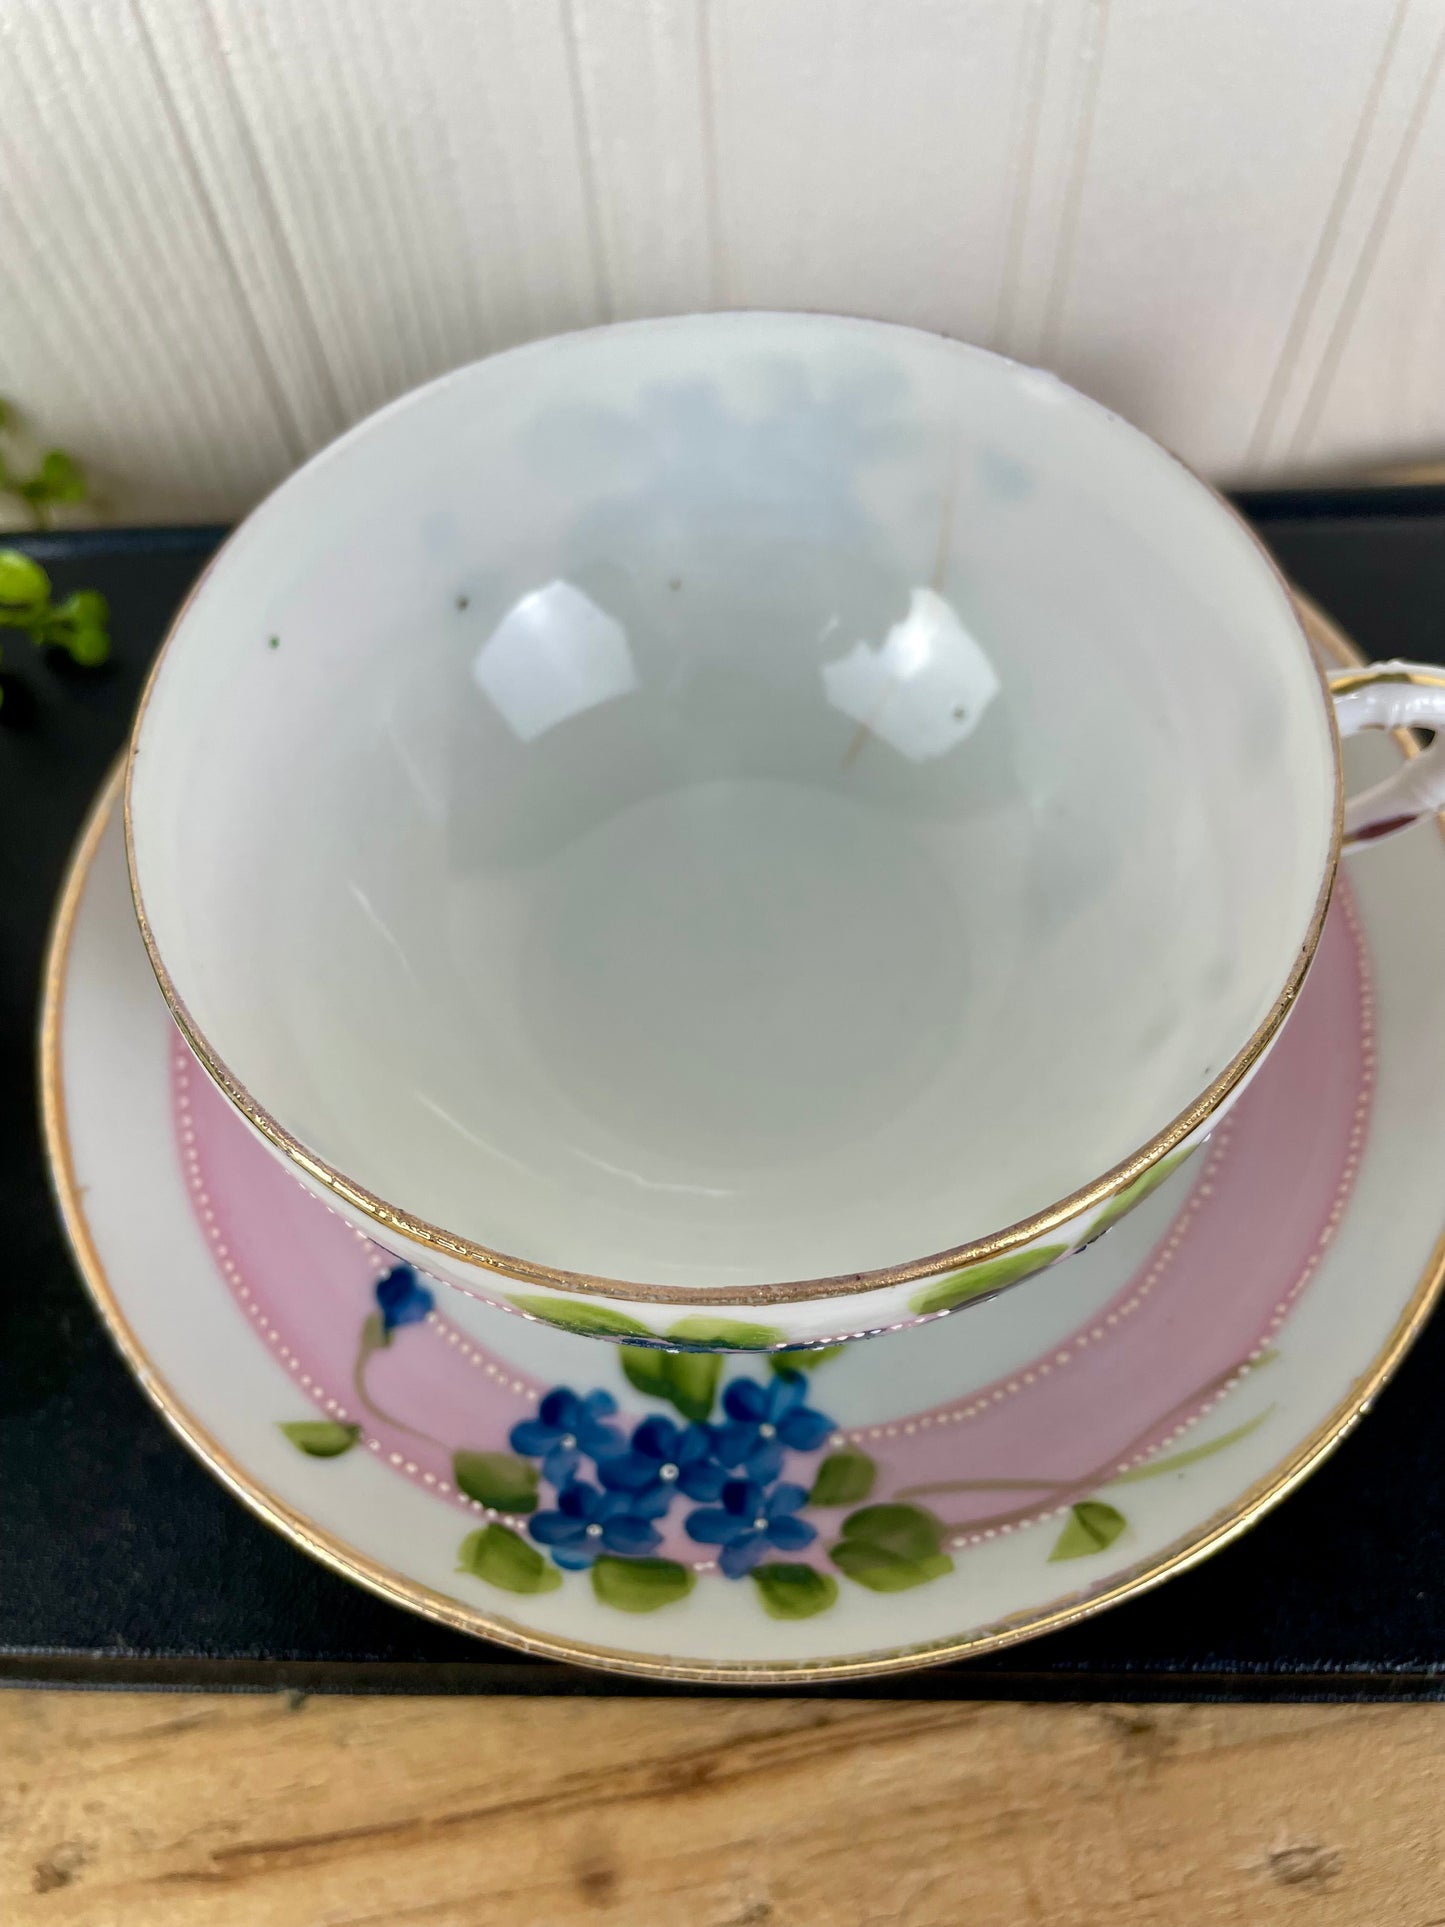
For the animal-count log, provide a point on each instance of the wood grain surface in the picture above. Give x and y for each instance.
(281, 1811)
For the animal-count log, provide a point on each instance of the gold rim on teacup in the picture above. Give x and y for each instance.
(394, 1219)
(1123, 1182)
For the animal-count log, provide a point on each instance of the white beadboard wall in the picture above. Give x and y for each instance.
(230, 227)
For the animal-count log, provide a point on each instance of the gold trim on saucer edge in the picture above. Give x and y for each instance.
(1189, 1550)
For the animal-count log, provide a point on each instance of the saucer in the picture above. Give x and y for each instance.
(900, 1501)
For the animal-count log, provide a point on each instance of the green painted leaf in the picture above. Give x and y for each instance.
(800, 1360)
(503, 1558)
(692, 1381)
(1092, 1527)
(727, 1334)
(843, 1478)
(890, 1548)
(910, 1531)
(883, 1571)
(991, 1274)
(1136, 1192)
(687, 1380)
(640, 1585)
(322, 1438)
(646, 1369)
(496, 1479)
(23, 583)
(582, 1316)
(1176, 1461)
(793, 1591)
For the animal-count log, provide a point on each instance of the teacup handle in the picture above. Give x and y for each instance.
(1393, 695)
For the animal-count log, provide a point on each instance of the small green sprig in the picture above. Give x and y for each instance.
(58, 478)
(78, 625)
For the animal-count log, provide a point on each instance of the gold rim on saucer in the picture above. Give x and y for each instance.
(387, 1583)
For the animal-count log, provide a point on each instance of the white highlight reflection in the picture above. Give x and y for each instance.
(553, 655)
(924, 690)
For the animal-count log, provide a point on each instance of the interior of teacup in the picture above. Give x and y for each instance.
(734, 799)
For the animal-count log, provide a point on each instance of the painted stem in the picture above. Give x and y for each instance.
(1060, 1491)
(370, 1344)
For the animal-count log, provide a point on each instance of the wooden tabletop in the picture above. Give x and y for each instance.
(118, 1810)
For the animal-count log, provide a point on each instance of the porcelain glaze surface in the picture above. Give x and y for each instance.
(938, 1491)
(734, 800)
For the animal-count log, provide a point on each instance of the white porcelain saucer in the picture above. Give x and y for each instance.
(939, 1492)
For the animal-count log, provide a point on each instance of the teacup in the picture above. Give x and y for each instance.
(744, 830)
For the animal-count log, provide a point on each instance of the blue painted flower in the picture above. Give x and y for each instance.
(402, 1298)
(566, 1430)
(588, 1522)
(751, 1519)
(664, 1458)
(766, 1420)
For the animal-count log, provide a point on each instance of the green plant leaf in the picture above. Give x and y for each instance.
(990, 1274)
(321, 1438)
(59, 478)
(1176, 1461)
(804, 1360)
(497, 1479)
(89, 647)
(503, 1558)
(62, 475)
(727, 1334)
(791, 1591)
(890, 1548)
(640, 1585)
(78, 625)
(86, 607)
(1136, 1192)
(843, 1478)
(24, 585)
(1092, 1527)
(582, 1316)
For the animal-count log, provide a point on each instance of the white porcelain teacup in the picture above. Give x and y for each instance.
(746, 829)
